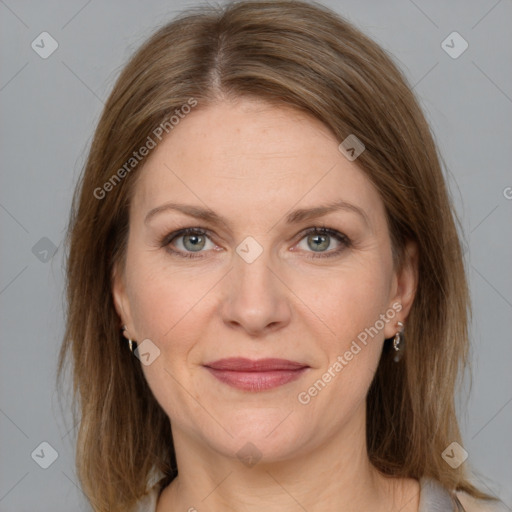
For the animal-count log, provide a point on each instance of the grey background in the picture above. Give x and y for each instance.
(49, 108)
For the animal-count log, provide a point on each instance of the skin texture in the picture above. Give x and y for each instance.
(253, 163)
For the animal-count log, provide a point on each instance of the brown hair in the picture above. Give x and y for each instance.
(307, 57)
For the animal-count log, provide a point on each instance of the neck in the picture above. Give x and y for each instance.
(336, 475)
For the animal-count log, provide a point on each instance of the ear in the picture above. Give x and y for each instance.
(405, 283)
(120, 297)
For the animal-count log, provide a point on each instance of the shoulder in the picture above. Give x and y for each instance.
(434, 496)
(148, 502)
(471, 504)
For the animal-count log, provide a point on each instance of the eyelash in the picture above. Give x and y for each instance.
(345, 241)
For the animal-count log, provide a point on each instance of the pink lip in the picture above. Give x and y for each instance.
(258, 375)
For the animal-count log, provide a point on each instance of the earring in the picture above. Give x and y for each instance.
(131, 344)
(396, 343)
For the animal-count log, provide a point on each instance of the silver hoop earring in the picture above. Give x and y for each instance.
(131, 344)
(397, 340)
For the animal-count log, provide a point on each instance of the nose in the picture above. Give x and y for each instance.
(256, 300)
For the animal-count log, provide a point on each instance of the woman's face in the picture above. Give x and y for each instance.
(257, 285)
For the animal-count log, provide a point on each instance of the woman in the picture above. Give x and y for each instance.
(267, 299)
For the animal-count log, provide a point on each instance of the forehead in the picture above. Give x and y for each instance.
(252, 157)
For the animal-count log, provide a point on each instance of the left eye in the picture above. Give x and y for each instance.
(320, 238)
(194, 240)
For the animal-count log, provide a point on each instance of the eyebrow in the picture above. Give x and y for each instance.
(294, 217)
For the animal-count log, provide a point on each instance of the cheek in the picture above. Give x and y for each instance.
(350, 299)
(163, 299)
(350, 305)
(165, 309)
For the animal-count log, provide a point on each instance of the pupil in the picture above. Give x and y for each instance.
(195, 240)
(319, 238)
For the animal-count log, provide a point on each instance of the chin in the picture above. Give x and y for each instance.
(269, 434)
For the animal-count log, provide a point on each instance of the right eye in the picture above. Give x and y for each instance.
(193, 240)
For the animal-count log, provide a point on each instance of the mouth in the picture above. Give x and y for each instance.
(256, 375)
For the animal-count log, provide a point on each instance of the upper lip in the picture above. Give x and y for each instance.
(241, 364)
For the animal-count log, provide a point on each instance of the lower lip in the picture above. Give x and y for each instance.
(256, 381)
